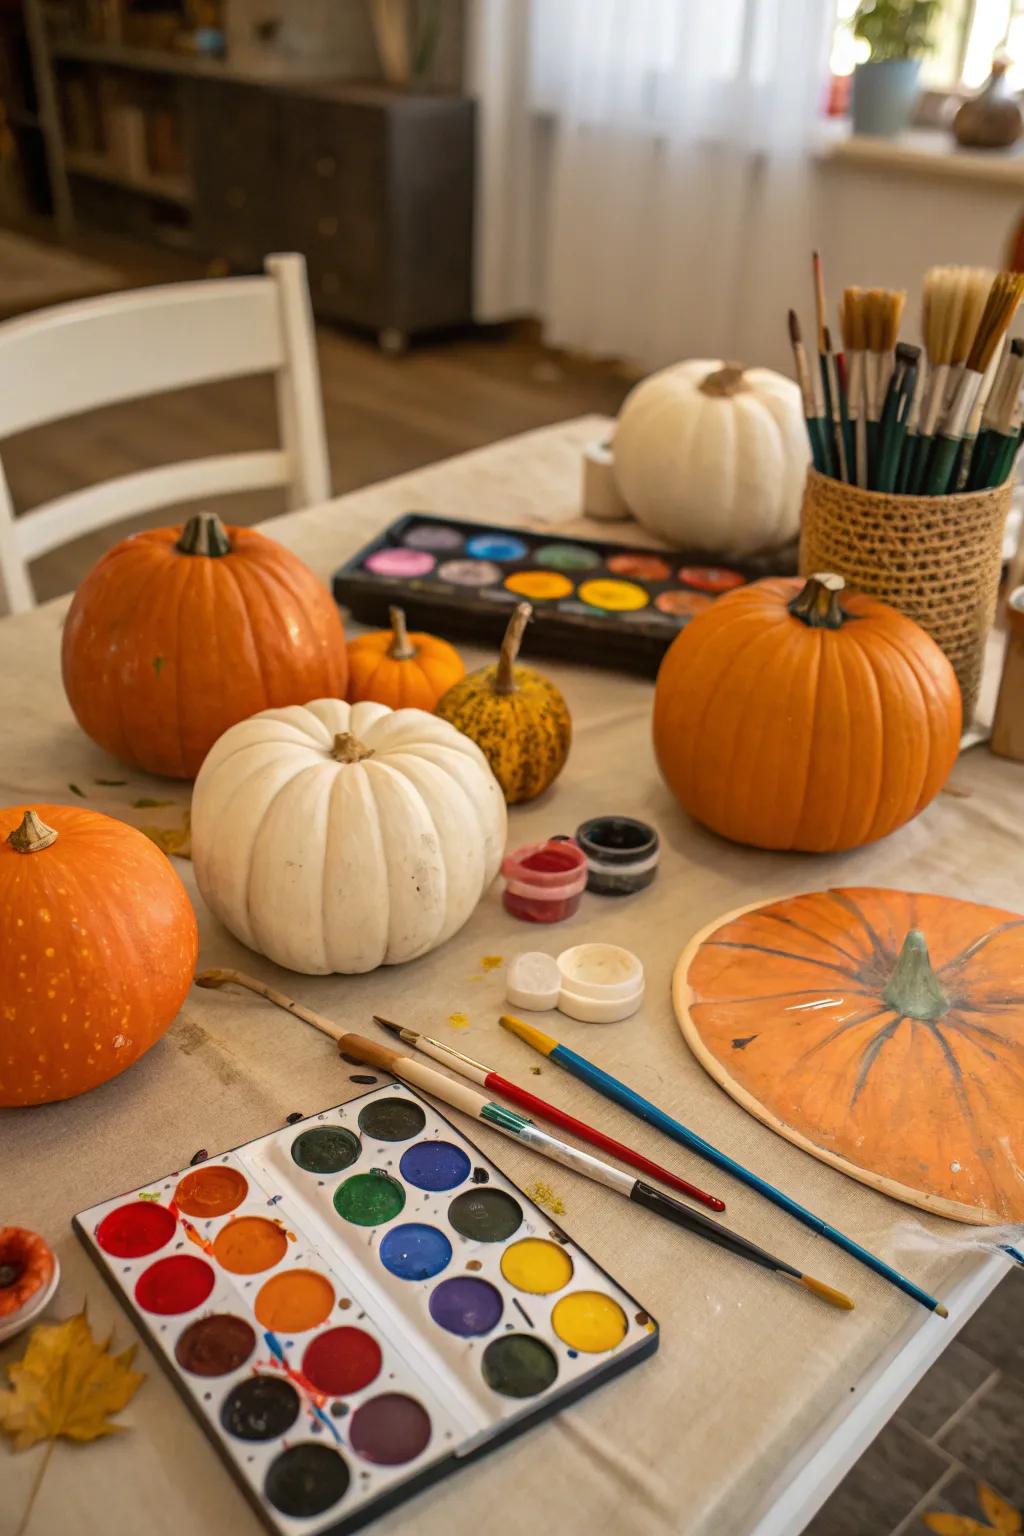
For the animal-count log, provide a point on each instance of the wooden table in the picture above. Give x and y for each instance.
(760, 1397)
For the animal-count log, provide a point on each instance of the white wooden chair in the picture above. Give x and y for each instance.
(78, 357)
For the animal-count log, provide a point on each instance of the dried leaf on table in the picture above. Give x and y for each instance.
(955, 1525)
(176, 839)
(66, 1383)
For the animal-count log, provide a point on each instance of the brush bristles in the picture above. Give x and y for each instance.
(1000, 308)
(884, 311)
(827, 1293)
(977, 284)
(851, 320)
(952, 303)
(794, 328)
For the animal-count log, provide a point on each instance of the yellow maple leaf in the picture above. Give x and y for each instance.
(1003, 1516)
(1006, 1521)
(66, 1383)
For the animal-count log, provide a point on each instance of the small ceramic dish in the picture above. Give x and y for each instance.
(600, 971)
(596, 983)
(14, 1322)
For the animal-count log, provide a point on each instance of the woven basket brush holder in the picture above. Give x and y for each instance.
(935, 558)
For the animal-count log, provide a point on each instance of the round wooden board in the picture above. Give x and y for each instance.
(998, 1138)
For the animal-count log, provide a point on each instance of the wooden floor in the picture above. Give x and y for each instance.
(384, 416)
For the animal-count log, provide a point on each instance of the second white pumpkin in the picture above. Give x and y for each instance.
(336, 838)
(713, 457)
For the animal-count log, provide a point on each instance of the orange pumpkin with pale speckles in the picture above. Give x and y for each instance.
(98, 944)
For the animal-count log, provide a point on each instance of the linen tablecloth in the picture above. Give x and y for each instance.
(748, 1366)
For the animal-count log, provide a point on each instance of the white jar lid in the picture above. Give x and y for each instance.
(532, 981)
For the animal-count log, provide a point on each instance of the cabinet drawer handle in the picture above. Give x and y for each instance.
(326, 166)
(327, 227)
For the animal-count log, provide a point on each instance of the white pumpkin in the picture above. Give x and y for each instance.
(339, 837)
(712, 457)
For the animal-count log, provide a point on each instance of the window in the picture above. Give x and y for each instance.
(967, 34)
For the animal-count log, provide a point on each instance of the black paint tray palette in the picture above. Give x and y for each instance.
(608, 604)
(358, 1304)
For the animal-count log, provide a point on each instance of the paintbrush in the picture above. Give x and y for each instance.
(447, 1055)
(996, 418)
(831, 459)
(1000, 308)
(621, 1093)
(895, 414)
(851, 323)
(837, 398)
(522, 1129)
(953, 304)
(884, 310)
(812, 416)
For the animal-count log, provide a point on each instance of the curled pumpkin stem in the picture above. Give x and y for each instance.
(505, 677)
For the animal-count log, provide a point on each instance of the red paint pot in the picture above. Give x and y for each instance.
(544, 881)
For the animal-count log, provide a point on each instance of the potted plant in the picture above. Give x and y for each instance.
(898, 33)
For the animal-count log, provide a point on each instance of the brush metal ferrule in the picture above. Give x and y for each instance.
(963, 404)
(507, 1120)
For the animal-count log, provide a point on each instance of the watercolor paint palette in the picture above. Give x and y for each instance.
(462, 579)
(359, 1303)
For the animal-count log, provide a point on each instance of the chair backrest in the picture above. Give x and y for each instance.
(78, 357)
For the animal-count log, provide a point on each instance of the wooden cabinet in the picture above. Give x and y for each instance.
(373, 186)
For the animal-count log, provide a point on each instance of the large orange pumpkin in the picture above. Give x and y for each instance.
(881, 1030)
(177, 634)
(98, 943)
(399, 669)
(792, 715)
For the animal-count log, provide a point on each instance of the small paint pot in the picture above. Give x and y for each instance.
(544, 881)
(622, 854)
(533, 981)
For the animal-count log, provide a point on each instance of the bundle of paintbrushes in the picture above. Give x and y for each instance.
(886, 421)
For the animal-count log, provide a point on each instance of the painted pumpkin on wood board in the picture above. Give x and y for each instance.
(399, 669)
(338, 837)
(793, 715)
(98, 943)
(881, 1030)
(516, 716)
(176, 634)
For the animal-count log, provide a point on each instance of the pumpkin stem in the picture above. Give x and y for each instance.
(724, 382)
(913, 988)
(817, 604)
(32, 836)
(400, 649)
(204, 534)
(347, 749)
(505, 677)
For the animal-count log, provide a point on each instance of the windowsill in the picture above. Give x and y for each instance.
(926, 152)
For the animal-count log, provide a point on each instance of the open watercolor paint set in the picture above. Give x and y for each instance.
(355, 1305)
(462, 579)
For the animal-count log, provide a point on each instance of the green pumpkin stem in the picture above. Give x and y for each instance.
(817, 604)
(204, 534)
(505, 674)
(913, 988)
(32, 836)
(401, 647)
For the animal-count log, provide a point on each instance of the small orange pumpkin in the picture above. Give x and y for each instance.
(788, 715)
(98, 943)
(26, 1268)
(178, 633)
(399, 669)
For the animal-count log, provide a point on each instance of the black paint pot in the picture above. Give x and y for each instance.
(622, 854)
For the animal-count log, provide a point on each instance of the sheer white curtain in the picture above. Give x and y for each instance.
(645, 169)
